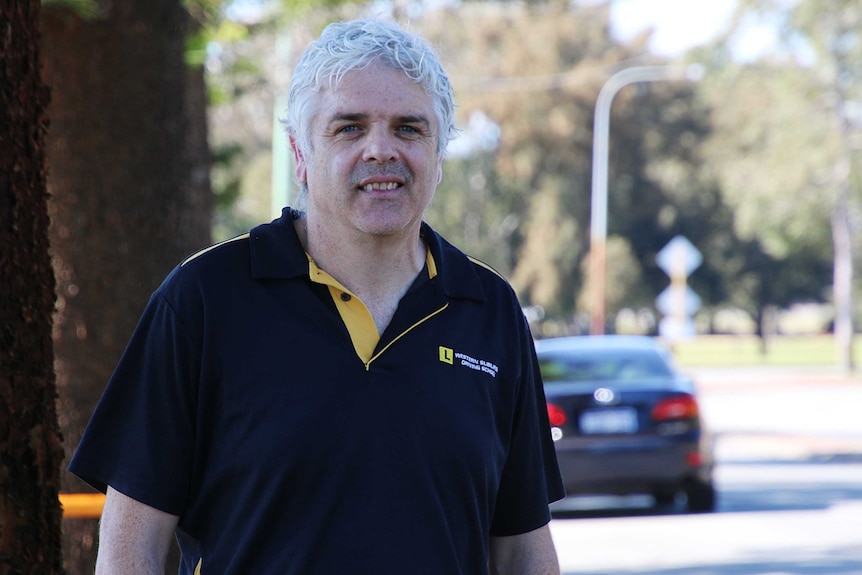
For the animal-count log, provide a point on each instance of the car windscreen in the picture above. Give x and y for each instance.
(602, 365)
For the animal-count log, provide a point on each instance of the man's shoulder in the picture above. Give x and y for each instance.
(486, 269)
(208, 269)
(269, 251)
(466, 275)
(218, 250)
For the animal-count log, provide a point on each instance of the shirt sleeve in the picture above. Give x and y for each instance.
(140, 439)
(531, 478)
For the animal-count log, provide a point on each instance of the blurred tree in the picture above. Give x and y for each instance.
(516, 186)
(128, 170)
(787, 158)
(625, 276)
(249, 59)
(527, 210)
(30, 442)
(835, 35)
(768, 163)
(534, 205)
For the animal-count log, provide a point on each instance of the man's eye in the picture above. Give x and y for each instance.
(348, 129)
(409, 129)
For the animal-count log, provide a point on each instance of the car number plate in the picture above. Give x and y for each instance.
(608, 421)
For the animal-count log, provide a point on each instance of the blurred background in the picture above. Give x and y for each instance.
(727, 132)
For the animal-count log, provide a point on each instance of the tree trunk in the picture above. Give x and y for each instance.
(839, 25)
(129, 177)
(30, 441)
(842, 285)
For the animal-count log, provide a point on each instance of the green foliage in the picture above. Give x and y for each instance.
(467, 206)
(737, 351)
(541, 90)
(773, 166)
(293, 9)
(225, 180)
(228, 175)
(737, 163)
(225, 31)
(625, 287)
(783, 146)
(85, 9)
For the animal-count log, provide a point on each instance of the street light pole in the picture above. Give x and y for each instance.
(599, 192)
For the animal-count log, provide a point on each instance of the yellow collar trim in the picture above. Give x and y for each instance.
(354, 313)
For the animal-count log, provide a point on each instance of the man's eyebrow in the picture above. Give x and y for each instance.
(347, 117)
(413, 119)
(360, 116)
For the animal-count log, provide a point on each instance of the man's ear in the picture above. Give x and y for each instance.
(301, 167)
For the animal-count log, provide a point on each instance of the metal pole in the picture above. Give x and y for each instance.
(599, 192)
(282, 158)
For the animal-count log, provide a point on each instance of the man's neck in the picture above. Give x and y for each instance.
(377, 269)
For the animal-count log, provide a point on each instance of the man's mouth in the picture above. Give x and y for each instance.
(380, 186)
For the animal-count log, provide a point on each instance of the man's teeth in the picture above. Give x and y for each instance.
(380, 186)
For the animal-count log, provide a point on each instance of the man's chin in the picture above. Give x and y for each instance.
(384, 227)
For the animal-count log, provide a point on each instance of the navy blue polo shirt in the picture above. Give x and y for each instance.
(257, 403)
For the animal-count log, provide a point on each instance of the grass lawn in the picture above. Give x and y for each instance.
(726, 350)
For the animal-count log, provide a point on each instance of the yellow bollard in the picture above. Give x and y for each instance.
(82, 505)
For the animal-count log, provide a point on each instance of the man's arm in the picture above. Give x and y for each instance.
(530, 553)
(134, 538)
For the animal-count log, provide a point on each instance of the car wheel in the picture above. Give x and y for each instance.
(664, 498)
(700, 497)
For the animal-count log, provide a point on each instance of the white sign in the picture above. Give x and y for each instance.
(678, 302)
(677, 297)
(674, 328)
(679, 257)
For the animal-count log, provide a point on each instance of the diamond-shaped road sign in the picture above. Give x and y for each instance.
(679, 257)
(677, 298)
(674, 328)
(678, 302)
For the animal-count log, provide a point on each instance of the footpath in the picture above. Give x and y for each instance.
(782, 413)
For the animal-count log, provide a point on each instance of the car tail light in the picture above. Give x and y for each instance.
(556, 415)
(684, 407)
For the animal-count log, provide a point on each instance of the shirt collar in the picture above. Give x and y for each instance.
(277, 253)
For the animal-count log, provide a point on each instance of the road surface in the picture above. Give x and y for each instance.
(789, 475)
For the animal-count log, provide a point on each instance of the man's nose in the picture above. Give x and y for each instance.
(380, 146)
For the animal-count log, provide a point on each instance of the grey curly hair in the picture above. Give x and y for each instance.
(347, 46)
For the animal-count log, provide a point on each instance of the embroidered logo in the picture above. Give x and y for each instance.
(448, 355)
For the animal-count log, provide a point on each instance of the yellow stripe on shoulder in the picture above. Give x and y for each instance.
(482, 264)
(212, 247)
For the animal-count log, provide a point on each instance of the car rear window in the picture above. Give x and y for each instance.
(602, 366)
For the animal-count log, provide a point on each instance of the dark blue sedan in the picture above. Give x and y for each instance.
(625, 420)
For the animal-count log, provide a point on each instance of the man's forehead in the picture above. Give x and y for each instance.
(407, 100)
(391, 78)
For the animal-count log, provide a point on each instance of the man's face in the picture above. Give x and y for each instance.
(373, 166)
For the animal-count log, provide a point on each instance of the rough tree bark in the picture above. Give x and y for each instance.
(129, 178)
(30, 441)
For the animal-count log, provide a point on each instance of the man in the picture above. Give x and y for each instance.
(340, 391)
